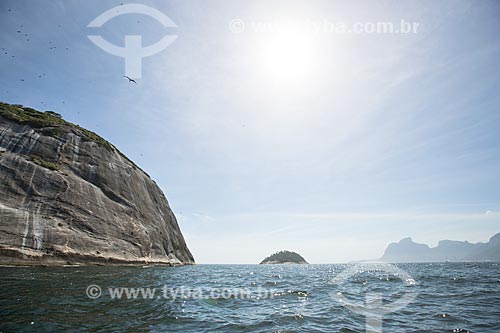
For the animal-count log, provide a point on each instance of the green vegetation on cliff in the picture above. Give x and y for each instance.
(46, 164)
(51, 122)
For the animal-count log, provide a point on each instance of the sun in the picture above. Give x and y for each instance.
(287, 55)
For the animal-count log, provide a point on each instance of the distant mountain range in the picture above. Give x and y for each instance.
(409, 251)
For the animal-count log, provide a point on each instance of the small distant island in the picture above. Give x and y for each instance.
(284, 257)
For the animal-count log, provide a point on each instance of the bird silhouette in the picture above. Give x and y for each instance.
(129, 79)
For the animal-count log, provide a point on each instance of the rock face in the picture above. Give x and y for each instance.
(284, 257)
(408, 251)
(69, 196)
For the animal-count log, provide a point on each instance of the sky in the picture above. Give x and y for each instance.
(266, 134)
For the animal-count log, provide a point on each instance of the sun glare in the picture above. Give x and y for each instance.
(287, 56)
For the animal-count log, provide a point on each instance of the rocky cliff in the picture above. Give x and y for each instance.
(407, 250)
(69, 196)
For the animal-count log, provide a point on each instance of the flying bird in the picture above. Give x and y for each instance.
(129, 79)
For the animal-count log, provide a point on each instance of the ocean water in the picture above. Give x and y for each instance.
(448, 297)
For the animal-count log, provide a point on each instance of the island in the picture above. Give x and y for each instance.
(68, 196)
(284, 257)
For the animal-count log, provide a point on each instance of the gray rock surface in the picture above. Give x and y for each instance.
(67, 196)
